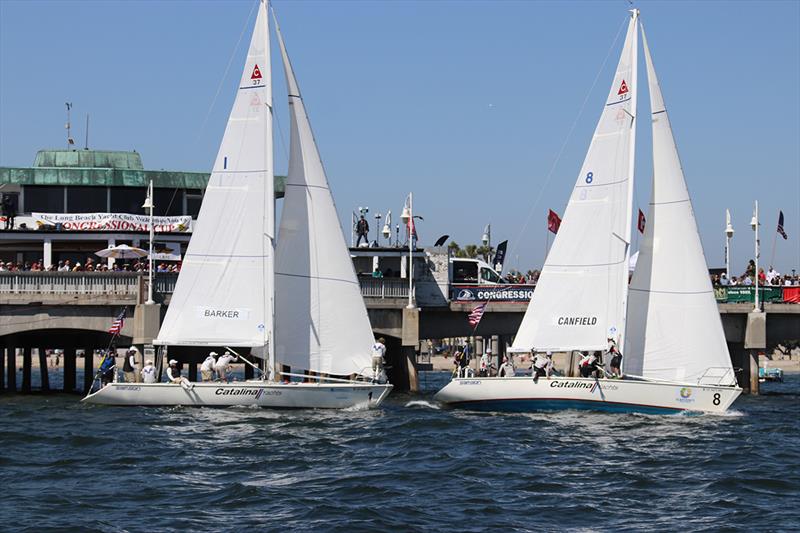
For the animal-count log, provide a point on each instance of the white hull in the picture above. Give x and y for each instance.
(523, 394)
(255, 393)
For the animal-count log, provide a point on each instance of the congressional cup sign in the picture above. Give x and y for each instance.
(112, 222)
(494, 293)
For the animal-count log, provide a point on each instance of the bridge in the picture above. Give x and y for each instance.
(73, 310)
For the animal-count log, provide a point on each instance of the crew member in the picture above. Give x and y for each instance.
(107, 366)
(540, 362)
(486, 363)
(222, 366)
(616, 361)
(149, 372)
(507, 368)
(174, 375)
(129, 366)
(207, 368)
(378, 353)
(587, 364)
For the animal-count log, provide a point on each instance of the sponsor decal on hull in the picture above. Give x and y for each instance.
(246, 391)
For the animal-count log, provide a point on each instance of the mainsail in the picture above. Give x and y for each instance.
(224, 292)
(582, 290)
(674, 329)
(322, 323)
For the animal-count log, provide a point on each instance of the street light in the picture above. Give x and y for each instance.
(387, 227)
(148, 204)
(378, 217)
(728, 237)
(407, 217)
(754, 225)
(486, 239)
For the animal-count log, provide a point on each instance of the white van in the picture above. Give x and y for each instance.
(473, 272)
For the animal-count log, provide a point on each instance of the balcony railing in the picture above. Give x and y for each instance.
(384, 287)
(84, 283)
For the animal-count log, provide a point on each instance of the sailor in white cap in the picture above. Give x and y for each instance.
(129, 366)
(174, 375)
(207, 368)
(149, 372)
(221, 367)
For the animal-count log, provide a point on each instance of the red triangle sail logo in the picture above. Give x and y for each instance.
(257, 74)
(623, 88)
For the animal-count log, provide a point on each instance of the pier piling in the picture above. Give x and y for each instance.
(69, 369)
(88, 369)
(45, 377)
(11, 372)
(26, 369)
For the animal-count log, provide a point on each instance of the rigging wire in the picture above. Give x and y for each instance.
(549, 175)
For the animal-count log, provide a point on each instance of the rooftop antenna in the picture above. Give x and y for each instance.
(70, 140)
(86, 147)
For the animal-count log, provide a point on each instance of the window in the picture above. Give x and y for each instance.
(490, 276)
(87, 199)
(194, 197)
(44, 199)
(168, 202)
(128, 199)
(465, 272)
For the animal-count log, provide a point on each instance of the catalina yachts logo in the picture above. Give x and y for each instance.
(465, 295)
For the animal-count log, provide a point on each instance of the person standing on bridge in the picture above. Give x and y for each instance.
(362, 230)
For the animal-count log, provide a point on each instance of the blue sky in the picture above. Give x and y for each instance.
(466, 103)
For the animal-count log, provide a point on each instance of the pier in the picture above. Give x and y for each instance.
(72, 311)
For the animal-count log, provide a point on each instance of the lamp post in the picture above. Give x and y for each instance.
(148, 204)
(754, 225)
(378, 217)
(728, 237)
(387, 228)
(407, 217)
(486, 240)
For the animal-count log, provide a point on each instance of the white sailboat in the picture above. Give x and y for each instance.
(676, 358)
(309, 314)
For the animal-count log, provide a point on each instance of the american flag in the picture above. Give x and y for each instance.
(475, 316)
(118, 323)
(780, 225)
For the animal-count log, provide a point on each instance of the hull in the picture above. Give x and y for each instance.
(248, 393)
(523, 394)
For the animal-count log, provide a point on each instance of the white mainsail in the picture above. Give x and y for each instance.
(582, 290)
(224, 293)
(322, 323)
(674, 328)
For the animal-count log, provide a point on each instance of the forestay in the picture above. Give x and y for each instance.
(674, 328)
(224, 292)
(582, 290)
(322, 323)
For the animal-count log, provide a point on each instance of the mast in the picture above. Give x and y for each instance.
(631, 167)
(269, 214)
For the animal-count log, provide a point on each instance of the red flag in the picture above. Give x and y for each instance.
(642, 222)
(553, 221)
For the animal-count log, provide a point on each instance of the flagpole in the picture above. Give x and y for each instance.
(774, 242)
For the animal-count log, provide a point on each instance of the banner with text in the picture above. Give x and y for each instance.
(494, 293)
(112, 222)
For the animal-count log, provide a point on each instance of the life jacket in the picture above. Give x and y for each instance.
(127, 367)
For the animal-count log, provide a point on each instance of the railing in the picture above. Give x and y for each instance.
(89, 283)
(746, 294)
(384, 287)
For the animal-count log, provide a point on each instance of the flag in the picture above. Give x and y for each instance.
(412, 230)
(553, 221)
(642, 222)
(500, 257)
(780, 225)
(118, 323)
(476, 315)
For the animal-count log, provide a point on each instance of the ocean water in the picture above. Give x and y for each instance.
(408, 466)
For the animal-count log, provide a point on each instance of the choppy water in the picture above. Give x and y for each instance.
(406, 467)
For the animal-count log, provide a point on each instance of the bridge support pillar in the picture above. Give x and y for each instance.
(2, 368)
(27, 365)
(11, 372)
(755, 340)
(45, 377)
(88, 369)
(69, 369)
(146, 323)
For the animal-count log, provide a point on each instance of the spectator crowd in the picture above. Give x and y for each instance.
(771, 278)
(89, 265)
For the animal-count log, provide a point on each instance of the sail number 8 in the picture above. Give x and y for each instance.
(715, 401)
(589, 177)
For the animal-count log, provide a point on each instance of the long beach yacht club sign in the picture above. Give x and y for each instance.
(113, 222)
